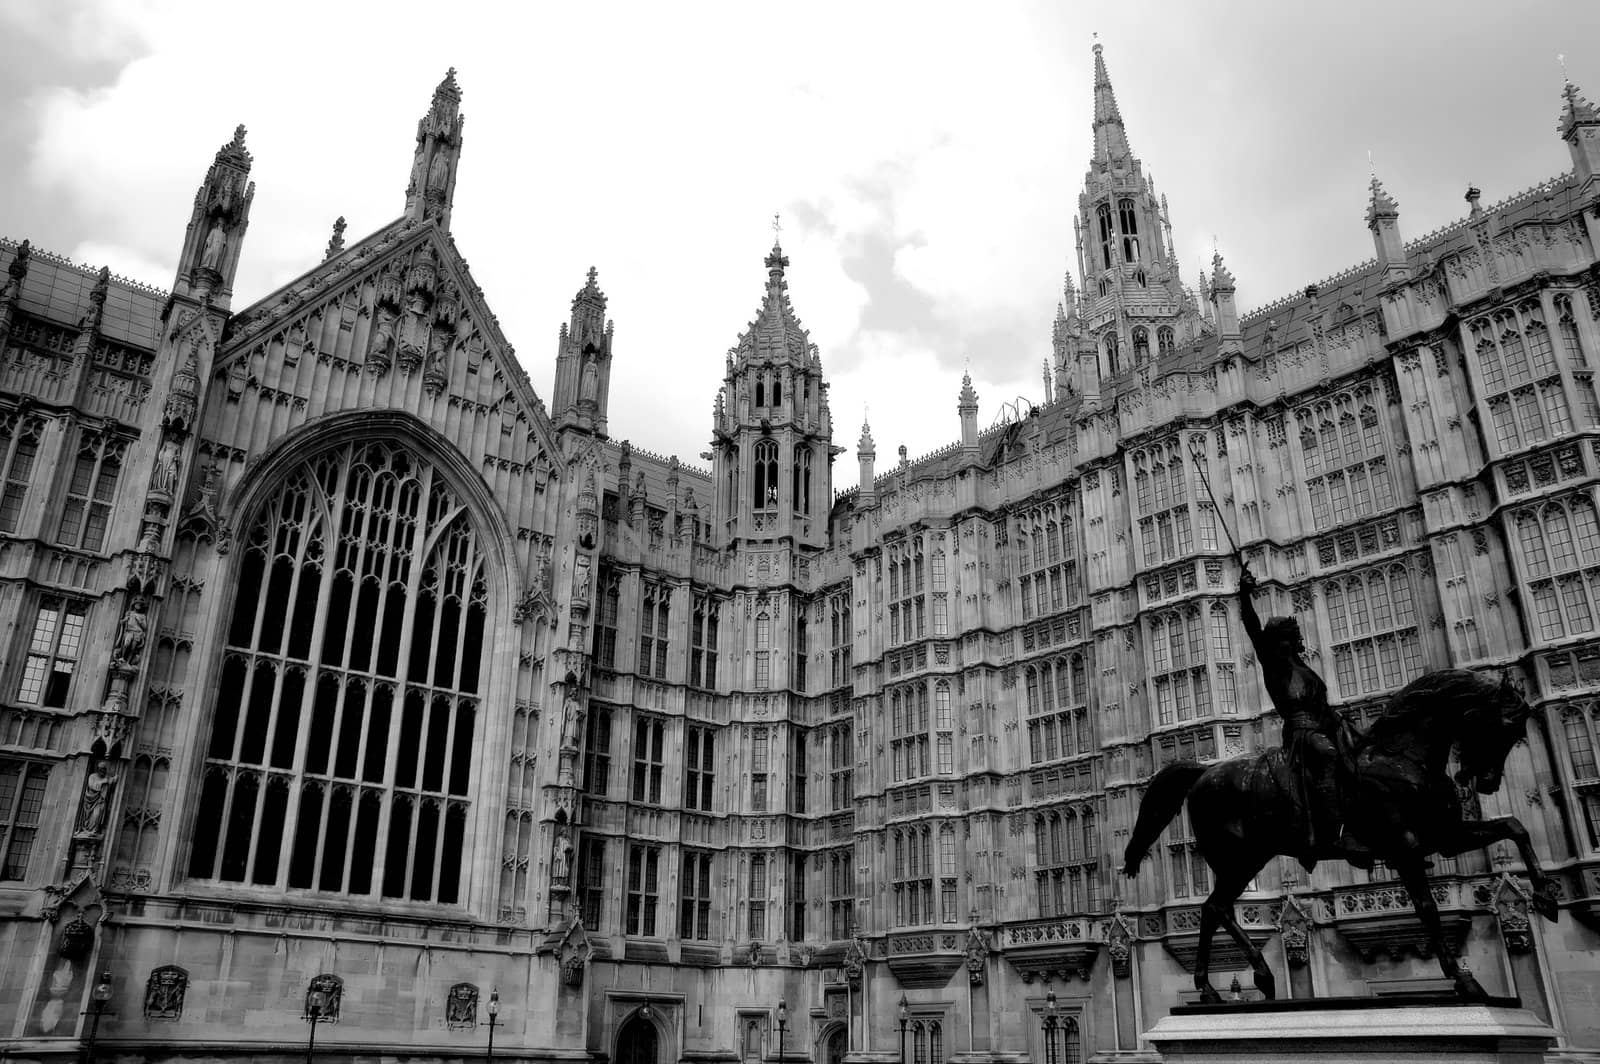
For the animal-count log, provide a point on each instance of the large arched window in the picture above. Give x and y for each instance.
(1128, 217)
(801, 492)
(341, 748)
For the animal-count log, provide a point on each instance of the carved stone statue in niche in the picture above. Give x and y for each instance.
(571, 718)
(150, 538)
(164, 478)
(580, 580)
(561, 863)
(383, 337)
(131, 632)
(589, 388)
(97, 791)
(216, 244)
(439, 172)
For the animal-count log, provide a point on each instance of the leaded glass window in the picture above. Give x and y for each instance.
(341, 747)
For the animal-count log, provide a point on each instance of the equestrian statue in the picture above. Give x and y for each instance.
(1332, 793)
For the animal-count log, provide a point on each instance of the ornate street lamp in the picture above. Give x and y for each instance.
(494, 1019)
(1051, 1020)
(783, 1026)
(905, 1014)
(99, 998)
(316, 1008)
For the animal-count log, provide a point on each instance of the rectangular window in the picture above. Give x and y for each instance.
(757, 897)
(21, 799)
(647, 734)
(592, 881)
(840, 782)
(597, 751)
(841, 897)
(644, 888)
(758, 771)
(699, 744)
(802, 650)
(654, 623)
(694, 909)
(53, 652)
(703, 649)
(605, 629)
(797, 898)
(763, 652)
(19, 446)
(797, 770)
(941, 614)
(90, 493)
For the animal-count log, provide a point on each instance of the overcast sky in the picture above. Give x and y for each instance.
(925, 158)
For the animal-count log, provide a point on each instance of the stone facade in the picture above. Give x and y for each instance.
(339, 663)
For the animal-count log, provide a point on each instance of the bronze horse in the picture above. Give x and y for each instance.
(1398, 804)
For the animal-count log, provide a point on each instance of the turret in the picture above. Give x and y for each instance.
(210, 257)
(583, 363)
(967, 407)
(1383, 220)
(433, 165)
(865, 453)
(1580, 128)
(772, 447)
(1222, 300)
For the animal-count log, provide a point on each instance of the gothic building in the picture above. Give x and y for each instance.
(343, 678)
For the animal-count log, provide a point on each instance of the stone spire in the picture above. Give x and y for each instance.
(438, 152)
(967, 407)
(775, 335)
(1110, 138)
(1380, 204)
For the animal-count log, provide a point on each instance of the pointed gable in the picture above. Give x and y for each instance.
(394, 321)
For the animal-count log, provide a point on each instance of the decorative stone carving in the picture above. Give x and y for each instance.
(977, 951)
(332, 989)
(164, 991)
(1294, 927)
(1510, 906)
(1119, 945)
(461, 1007)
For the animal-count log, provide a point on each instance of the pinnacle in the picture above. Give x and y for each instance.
(1380, 204)
(969, 397)
(1578, 111)
(234, 151)
(1221, 279)
(448, 86)
(865, 445)
(591, 288)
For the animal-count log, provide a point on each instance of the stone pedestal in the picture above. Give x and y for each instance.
(1354, 1031)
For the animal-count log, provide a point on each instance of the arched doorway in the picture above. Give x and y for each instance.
(636, 1042)
(837, 1046)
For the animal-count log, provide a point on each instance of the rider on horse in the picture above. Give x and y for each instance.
(1314, 743)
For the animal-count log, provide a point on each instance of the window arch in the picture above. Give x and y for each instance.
(1103, 217)
(1164, 341)
(340, 757)
(802, 479)
(766, 475)
(1129, 219)
(1113, 360)
(1141, 346)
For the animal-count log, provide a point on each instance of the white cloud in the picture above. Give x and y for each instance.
(656, 141)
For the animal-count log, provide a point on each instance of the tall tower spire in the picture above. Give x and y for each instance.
(1110, 138)
(583, 363)
(438, 152)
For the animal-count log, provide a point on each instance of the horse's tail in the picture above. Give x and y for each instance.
(1161, 802)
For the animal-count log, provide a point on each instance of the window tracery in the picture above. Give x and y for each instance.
(1372, 626)
(1559, 554)
(342, 735)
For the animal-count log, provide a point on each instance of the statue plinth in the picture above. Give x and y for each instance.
(1438, 1030)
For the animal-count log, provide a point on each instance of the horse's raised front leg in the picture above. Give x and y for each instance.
(1229, 887)
(1477, 834)
(1415, 879)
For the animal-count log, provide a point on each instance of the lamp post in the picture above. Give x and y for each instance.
(1051, 1019)
(905, 1014)
(783, 1026)
(494, 1019)
(99, 998)
(316, 1005)
(644, 1011)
